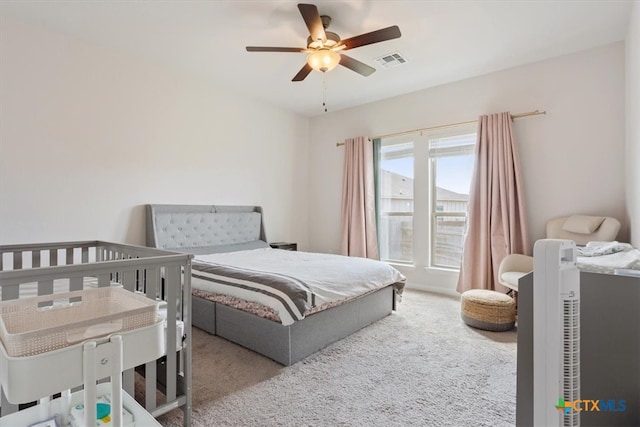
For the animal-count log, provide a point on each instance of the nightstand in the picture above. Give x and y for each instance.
(284, 245)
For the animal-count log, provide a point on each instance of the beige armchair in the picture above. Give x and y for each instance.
(579, 228)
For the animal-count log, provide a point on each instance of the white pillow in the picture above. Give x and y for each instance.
(582, 224)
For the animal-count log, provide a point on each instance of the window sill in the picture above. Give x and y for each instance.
(432, 269)
(443, 269)
(400, 264)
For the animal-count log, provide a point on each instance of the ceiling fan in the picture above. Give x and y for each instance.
(325, 47)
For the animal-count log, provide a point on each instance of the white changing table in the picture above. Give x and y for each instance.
(34, 414)
(39, 376)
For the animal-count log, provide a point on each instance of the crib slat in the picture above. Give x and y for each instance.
(172, 286)
(45, 287)
(150, 370)
(150, 386)
(151, 283)
(17, 260)
(103, 280)
(7, 408)
(186, 352)
(10, 292)
(75, 284)
(35, 258)
(129, 280)
(128, 381)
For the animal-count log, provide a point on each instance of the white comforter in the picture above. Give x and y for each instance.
(330, 277)
(609, 257)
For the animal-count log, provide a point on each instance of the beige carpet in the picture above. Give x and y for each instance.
(420, 366)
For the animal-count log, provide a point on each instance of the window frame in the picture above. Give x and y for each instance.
(400, 140)
(434, 214)
(424, 215)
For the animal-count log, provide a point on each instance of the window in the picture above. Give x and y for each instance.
(395, 201)
(451, 163)
(423, 193)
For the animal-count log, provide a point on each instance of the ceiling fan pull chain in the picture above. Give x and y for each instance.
(324, 91)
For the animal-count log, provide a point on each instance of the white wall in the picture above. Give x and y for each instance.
(632, 46)
(572, 158)
(89, 136)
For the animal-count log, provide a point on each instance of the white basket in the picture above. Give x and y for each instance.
(37, 325)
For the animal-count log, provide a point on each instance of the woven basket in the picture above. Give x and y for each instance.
(37, 325)
(488, 310)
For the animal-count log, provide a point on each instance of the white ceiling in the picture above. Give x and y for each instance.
(443, 41)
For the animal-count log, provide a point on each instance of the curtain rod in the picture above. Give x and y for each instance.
(407, 132)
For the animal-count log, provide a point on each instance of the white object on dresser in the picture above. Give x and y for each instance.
(556, 332)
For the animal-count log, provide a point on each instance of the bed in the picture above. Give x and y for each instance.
(231, 253)
(52, 268)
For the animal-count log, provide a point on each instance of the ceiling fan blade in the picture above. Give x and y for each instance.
(377, 36)
(311, 17)
(302, 74)
(355, 65)
(273, 49)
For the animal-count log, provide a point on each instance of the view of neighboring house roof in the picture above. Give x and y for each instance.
(444, 194)
(401, 187)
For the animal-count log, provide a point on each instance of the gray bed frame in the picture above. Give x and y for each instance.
(203, 229)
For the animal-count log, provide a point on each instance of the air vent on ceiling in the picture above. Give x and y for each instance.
(391, 60)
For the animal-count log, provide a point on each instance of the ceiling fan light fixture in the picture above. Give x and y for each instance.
(324, 48)
(323, 60)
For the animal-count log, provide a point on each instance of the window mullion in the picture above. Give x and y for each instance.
(421, 226)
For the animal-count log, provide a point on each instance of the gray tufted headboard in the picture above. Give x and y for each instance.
(202, 229)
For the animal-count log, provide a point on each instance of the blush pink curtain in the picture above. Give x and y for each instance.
(359, 236)
(497, 218)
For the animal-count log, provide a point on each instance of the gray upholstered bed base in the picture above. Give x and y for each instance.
(191, 228)
(289, 344)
